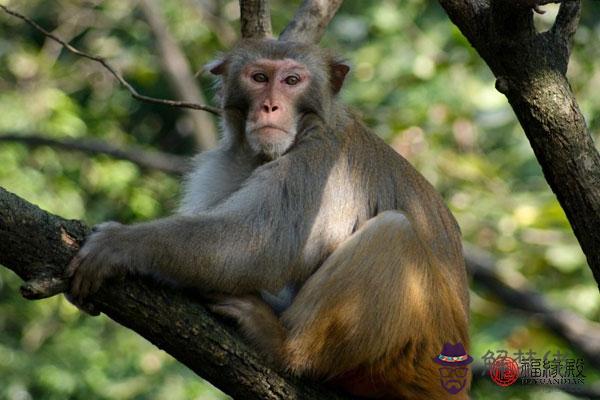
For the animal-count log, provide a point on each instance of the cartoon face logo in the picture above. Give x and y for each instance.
(454, 369)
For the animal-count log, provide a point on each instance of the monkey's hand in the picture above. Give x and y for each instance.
(106, 253)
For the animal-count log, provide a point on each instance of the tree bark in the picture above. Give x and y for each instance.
(530, 68)
(255, 19)
(37, 246)
(310, 21)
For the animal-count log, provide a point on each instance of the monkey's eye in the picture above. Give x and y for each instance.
(292, 80)
(260, 77)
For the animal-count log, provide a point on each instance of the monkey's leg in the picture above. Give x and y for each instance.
(376, 313)
(256, 320)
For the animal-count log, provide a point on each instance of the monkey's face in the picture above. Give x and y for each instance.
(267, 88)
(273, 88)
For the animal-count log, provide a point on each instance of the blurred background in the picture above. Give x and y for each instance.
(417, 83)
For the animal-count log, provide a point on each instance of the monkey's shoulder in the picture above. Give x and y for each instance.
(389, 181)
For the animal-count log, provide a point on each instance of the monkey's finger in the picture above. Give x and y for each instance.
(76, 285)
(225, 311)
(89, 308)
(73, 265)
(86, 285)
(214, 297)
(95, 285)
(105, 225)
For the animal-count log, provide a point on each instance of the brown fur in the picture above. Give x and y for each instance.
(337, 215)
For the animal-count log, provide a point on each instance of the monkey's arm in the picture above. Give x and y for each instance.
(252, 241)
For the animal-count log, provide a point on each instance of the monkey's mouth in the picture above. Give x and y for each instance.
(269, 130)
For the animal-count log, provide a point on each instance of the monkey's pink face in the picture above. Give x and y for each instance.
(274, 87)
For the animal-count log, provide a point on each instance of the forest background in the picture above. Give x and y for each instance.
(416, 81)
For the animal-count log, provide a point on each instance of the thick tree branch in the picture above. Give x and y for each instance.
(37, 246)
(168, 163)
(530, 68)
(180, 74)
(310, 21)
(255, 19)
(111, 69)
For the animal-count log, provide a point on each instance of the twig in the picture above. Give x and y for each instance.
(179, 73)
(255, 19)
(310, 21)
(580, 333)
(105, 64)
(168, 163)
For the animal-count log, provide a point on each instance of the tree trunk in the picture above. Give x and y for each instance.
(530, 68)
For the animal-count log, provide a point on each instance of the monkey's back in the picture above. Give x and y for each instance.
(392, 289)
(380, 168)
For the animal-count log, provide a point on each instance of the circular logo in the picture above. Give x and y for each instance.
(504, 371)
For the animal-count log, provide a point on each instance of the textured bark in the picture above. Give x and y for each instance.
(530, 68)
(37, 246)
(310, 21)
(255, 19)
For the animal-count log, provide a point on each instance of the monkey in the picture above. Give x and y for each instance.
(336, 258)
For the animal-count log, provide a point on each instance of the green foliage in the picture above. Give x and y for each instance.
(417, 83)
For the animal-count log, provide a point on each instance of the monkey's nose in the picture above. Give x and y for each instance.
(269, 108)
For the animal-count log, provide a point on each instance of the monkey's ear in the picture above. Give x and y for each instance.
(339, 69)
(216, 67)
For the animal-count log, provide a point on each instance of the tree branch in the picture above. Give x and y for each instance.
(530, 68)
(37, 246)
(168, 163)
(310, 21)
(105, 64)
(567, 20)
(255, 19)
(579, 333)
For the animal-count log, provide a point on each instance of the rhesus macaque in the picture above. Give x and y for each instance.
(336, 257)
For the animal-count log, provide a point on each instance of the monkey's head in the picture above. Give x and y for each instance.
(268, 88)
